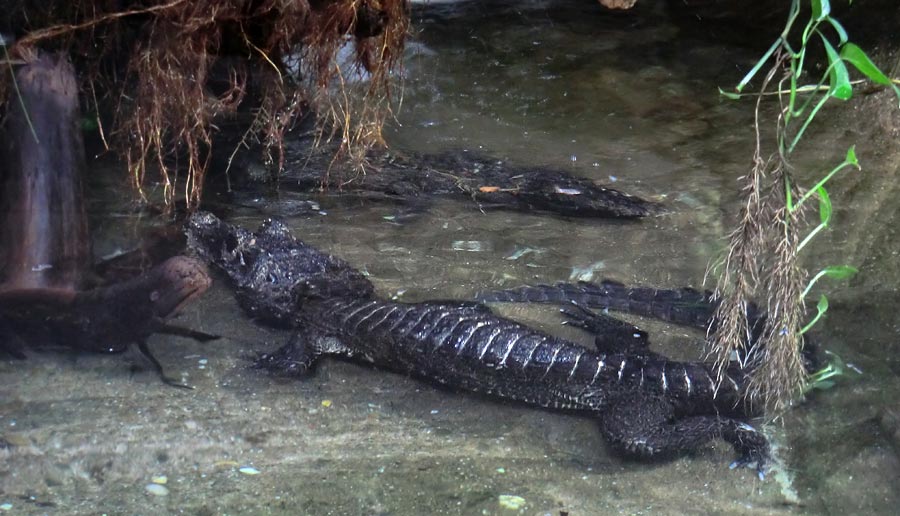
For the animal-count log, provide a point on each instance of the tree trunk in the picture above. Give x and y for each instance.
(44, 239)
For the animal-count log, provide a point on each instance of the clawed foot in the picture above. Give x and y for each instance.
(612, 335)
(750, 461)
(175, 383)
(142, 346)
(753, 449)
(580, 316)
(282, 362)
(188, 333)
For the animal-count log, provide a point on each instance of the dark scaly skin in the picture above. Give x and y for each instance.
(684, 306)
(647, 405)
(681, 306)
(107, 319)
(492, 184)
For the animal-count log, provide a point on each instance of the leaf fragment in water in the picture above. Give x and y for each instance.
(157, 489)
(586, 273)
(512, 502)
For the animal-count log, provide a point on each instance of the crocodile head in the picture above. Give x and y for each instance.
(135, 309)
(176, 282)
(272, 270)
(580, 198)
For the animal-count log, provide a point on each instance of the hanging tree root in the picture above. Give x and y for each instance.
(171, 71)
(762, 259)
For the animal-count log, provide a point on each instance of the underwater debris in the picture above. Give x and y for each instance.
(157, 489)
(163, 78)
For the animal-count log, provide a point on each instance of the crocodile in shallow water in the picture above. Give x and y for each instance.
(646, 405)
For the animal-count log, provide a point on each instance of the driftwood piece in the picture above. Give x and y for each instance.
(44, 242)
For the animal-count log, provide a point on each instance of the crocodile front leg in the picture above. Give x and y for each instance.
(648, 426)
(298, 357)
(611, 335)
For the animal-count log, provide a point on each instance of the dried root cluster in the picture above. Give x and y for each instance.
(762, 262)
(166, 74)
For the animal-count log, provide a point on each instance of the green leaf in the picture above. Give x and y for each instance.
(824, 384)
(851, 157)
(729, 94)
(840, 271)
(834, 272)
(822, 305)
(855, 56)
(823, 378)
(824, 206)
(841, 32)
(821, 9)
(839, 78)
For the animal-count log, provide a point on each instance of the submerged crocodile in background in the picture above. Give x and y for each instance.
(413, 180)
(646, 405)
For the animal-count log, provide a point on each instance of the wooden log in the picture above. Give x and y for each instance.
(44, 240)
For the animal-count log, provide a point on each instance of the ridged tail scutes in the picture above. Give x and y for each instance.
(684, 306)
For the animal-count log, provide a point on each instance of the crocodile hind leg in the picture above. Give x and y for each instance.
(188, 333)
(300, 354)
(647, 426)
(142, 346)
(611, 335)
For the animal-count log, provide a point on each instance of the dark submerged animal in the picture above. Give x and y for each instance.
(647, 405)
(684, 306)
(414, 180)
(105, 319)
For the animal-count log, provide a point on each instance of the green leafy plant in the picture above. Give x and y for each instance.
(823, 379)
(762, 256)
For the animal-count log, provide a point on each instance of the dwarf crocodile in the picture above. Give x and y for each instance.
(646, 405)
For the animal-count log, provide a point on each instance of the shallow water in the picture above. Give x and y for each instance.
(624, 99)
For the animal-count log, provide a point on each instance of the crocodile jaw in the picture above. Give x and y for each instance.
(178, 280)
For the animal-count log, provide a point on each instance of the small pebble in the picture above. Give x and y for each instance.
(512, 502)
(161, 480)
(249, 470)
(6, 507)
(157, 490)
(434, 412)
(501, 470)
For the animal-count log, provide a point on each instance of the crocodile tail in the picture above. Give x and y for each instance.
(685, 306)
